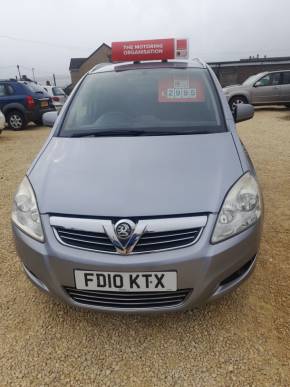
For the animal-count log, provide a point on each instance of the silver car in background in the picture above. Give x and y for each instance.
(57, 95)
(143, 198)
(2, 121)
(268, 88)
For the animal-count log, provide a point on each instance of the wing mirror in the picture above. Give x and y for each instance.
(243, 112)
(258, 84)
(49, 118)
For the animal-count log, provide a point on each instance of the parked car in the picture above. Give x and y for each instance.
(268, 88)
(57, 95)
(143, 198)
(2, 121)
(22, 102)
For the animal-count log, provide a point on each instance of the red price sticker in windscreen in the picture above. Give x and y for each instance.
(181, 90)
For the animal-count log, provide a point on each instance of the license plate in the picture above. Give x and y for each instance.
(126, 282)
(44, 103)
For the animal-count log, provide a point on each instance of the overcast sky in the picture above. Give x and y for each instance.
(46, 34)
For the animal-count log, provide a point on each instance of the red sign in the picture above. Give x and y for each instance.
(180, 90)
(157, 49)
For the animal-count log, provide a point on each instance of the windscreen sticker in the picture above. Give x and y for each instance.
(180, 90)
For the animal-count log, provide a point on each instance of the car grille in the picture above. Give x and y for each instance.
(128, 299)
(149, 241)
(85, 239)
(166, 240)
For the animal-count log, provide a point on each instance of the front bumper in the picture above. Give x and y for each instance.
(209, 270)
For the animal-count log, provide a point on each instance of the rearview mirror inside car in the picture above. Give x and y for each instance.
(243, 112)
(49, 118)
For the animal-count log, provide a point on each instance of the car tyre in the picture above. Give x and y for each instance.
(234, 101)
(16, 120)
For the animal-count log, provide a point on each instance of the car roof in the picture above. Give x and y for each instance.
(9, 80)
(271, 72)
(123, 66)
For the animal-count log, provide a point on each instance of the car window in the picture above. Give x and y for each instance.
(35, 88)
(2, 90)
(179, 99)
(249, 81)
(270, 79)
(57, 91)
(10, 89)
(286, 78)
(275, 79)
(265, 81)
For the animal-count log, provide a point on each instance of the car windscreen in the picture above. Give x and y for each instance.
(146, 101)
(249, 81)
(34, 87)
(57, 91)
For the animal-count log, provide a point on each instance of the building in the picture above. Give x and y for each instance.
(80, 66)
(228, 73)
(235, 72)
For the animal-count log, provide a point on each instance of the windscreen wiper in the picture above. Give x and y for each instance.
(107, 133)
(133, 132)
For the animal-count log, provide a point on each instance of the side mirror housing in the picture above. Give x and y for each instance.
(258, 84)
(49, 118)
(243, 112)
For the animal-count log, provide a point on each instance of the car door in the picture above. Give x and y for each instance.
(267, 89)
(285, 87)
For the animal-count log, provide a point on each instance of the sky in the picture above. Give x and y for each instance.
(44, 35)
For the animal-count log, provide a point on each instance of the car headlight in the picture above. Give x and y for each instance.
(25, 213)
(241, 209)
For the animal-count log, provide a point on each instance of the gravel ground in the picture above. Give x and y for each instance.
(241, 340)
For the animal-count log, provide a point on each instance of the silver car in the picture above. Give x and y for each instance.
(57, 95)
(268, 88)
(2, 121)
(143, 198)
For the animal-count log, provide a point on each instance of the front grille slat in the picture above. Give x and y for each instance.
(86, 241)
(170, 233)
(83, 234)
(128, 303)
(128, 299)
(128, 306)
(124, 293)
(154, 235)
(141, 243)
(121, 299)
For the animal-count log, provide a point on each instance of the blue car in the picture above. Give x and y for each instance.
(22, 102)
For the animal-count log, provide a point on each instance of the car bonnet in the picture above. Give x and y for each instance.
(135, 176)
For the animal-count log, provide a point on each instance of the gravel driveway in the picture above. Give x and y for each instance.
(241, 340)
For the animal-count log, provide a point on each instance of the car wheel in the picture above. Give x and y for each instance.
(234, 101)
(16, 120)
